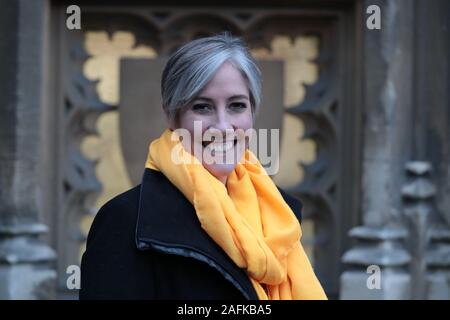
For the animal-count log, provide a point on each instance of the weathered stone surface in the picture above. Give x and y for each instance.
(387, 147)
(395, 285)
(419, 189)
(438, 287)
(27, 281)
(439, 256)
(24, 249)
(24, 259)
(419, 167)
(371, 233)
(382, 255)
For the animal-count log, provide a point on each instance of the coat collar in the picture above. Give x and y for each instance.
(166, 218)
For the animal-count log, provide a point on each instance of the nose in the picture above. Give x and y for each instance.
(222, 121)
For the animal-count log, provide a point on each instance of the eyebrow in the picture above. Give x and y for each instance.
(238, 96)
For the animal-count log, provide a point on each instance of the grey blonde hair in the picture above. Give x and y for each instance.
(191, 67)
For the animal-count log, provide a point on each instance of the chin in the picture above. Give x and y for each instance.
(220, 170)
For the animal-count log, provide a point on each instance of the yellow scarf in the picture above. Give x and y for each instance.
(248, 218)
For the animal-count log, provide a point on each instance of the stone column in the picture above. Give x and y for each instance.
(429, 235)
(24, 259)
(388, 121)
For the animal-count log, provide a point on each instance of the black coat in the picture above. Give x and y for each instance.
(147, 243)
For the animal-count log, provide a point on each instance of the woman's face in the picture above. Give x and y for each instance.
(222, 107)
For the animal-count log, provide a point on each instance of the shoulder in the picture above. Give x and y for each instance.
(111, 265)
(116, 215)
(116, 219)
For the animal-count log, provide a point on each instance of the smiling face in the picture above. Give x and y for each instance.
(222, 107)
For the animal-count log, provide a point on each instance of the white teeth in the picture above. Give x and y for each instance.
(220, 147)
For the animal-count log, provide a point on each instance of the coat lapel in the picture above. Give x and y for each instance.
(166, 219)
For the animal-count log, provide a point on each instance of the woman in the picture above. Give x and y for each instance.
(206, 222)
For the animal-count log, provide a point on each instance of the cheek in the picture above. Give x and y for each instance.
(186, 121)
(244, 121)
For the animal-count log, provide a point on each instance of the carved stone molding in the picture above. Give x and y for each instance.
(81, 108)
(429, 235)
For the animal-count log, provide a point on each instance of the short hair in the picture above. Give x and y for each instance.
(194, 64)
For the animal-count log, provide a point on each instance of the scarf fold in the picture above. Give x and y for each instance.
(248, 218)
